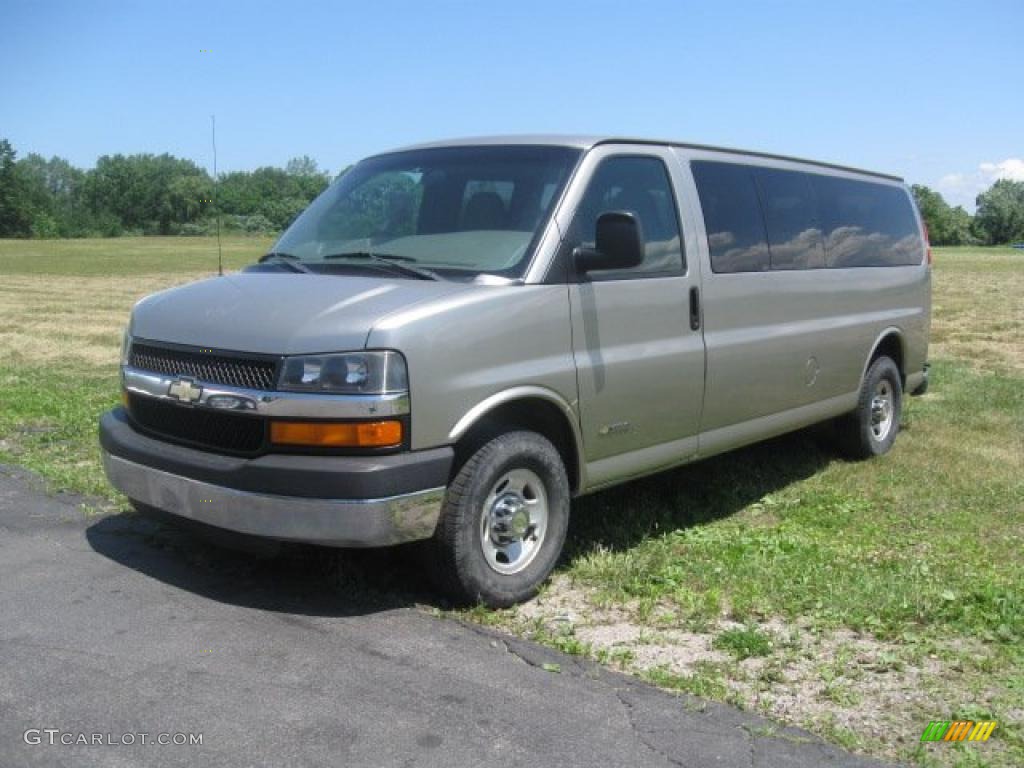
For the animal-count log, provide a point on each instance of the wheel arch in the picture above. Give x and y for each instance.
(534, 408)
(892, 344)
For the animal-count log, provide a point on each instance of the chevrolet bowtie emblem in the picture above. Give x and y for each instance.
(185, 390)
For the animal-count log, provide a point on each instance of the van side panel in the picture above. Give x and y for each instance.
(781, 340)
(788, 347)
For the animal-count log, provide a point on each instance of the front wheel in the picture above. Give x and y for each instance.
(504, 521)
(871, 429)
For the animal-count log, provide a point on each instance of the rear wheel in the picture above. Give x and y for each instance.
(871, 429)
(504, 521)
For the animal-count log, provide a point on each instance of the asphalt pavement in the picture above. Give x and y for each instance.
(118, 629)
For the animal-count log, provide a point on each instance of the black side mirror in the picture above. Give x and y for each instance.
(618, 244)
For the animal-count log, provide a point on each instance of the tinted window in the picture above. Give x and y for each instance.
(641, 186)
(790, 214)
(732, 217)
(867, 224)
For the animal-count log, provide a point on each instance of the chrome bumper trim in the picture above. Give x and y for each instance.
(335, 522)
(262, 403)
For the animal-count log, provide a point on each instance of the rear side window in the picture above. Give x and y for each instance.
(766, 218)
(866, 224)
(732, 217)
(791, 216)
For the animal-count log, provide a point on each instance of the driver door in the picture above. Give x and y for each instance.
(638, 350)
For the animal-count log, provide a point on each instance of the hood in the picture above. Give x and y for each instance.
(279, 314)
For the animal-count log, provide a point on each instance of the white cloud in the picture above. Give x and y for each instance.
(963, 188)
(1010, 168)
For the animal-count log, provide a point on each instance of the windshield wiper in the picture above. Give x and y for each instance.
(390, 260)
(290, 260)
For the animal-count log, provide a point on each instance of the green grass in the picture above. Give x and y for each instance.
(707, 681)
(51, 429)
(926, 540)
(744, 642)
(920, 552)
(127, 255)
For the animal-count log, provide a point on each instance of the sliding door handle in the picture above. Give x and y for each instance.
(694, 308)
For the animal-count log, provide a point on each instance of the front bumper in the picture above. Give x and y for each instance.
(351, 501)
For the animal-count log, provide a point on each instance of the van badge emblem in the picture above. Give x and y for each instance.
(185, 390)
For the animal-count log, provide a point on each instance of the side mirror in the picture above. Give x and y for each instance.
(618, 244)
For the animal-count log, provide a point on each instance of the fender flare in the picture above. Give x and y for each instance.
(891, 330)
(527, 392)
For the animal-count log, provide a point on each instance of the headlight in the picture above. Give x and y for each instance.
(353, 373)
(126, 346)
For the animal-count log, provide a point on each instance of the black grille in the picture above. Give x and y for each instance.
(203, 429)
(249, 372)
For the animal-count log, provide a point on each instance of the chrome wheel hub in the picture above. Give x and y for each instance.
(882, 410)
(514, 521)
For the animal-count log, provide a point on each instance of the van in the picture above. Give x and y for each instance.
(456, 339)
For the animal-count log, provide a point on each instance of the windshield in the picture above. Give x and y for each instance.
(455, 211)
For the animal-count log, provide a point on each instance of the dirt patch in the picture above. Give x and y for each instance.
(827, 681)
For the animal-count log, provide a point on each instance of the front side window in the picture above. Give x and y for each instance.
(641, 186)
(457, 211)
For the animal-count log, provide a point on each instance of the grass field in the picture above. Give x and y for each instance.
(859, 600)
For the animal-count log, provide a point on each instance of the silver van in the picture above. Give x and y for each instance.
(455, 339)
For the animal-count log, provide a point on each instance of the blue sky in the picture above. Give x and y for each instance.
(933, 91)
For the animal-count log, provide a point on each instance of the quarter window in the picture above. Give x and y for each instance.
(641, 186)
(867, 224)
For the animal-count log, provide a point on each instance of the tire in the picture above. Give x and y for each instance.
(871, 429)
(503, 523)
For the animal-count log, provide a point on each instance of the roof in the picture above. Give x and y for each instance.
(586, 142)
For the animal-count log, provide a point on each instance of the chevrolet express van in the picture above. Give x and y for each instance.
(455, 339)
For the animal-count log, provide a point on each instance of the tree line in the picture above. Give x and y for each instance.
(166, 195)
(147, 194)
(998, 220)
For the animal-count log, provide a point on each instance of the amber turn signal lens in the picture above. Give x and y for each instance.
(364, 434)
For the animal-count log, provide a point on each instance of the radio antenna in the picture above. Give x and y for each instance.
(216, 207)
